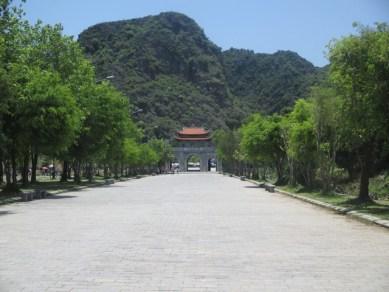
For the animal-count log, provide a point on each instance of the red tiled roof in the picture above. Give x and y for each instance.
(193, 131)
(193, 139)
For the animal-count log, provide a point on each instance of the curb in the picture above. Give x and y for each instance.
(340, 210)
(17, 198)
(53, 193)
(99, 184)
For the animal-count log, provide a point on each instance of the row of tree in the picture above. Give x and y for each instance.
(51, 104)
(344, 125)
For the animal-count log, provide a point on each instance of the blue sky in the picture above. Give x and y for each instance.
(303, 26)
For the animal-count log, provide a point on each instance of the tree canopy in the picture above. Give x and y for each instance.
(52, 105)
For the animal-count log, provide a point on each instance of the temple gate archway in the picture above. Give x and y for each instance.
(194, 141)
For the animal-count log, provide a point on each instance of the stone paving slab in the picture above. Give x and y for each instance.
(197, 232)
(367, 218)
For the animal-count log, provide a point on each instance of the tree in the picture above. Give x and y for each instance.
(227, 145)
(326, 122)
(148, 158)
(50, 100)
(106, 113)
(131, 155)
(360, 71)
(45, 47)
(298, 134)
(163, 150)
(261, 141)
(2, 107)
(11, 29)
(48, 116)
(123, 130)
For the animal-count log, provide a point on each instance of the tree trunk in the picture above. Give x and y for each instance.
(90, 172)
(105, 172)
(34, 164)
(25, 168)
(14, 169)
(7, 168)
(263, 177)
(77, 171)
(292, 177)
(10, 174)
(255, 172)
(65, 171)
(1, 170)
(280, 172)
(364, 179)
(116, 171)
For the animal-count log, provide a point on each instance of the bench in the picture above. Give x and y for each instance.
(41, 194)
(109, 181)
(261, 184)
(34, 195)
(269, 187)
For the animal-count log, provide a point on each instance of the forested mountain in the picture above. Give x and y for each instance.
(268, 82)
(169, 69)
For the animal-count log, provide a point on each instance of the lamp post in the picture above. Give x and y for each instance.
(138, 110)
(106, 78)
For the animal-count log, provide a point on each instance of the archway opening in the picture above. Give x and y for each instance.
(212, 164)
(193, 163)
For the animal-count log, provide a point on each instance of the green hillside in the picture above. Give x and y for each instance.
(168, 68)
(268, 82)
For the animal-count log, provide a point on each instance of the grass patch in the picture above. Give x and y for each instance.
(55, 185)
(379, 208)
(8, 199)
(48, 184)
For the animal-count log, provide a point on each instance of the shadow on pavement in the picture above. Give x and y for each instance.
(57, 197)
(2, 213)
(110, 186)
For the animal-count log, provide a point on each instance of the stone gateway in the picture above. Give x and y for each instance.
(195, 142)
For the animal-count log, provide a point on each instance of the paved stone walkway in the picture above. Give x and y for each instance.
(187, 232)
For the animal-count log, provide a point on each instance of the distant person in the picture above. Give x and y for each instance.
(53, 172)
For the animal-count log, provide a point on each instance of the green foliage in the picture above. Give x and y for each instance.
(326, 121)
(260, 137)
(227, 148)
(48, 114)
(105, 121)
(131, 152)
(360, 71)
(163, 150)
(268, 83)
(262, 142)
(345, 117)
(148, 156)
(52, 105)
(166, 66)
